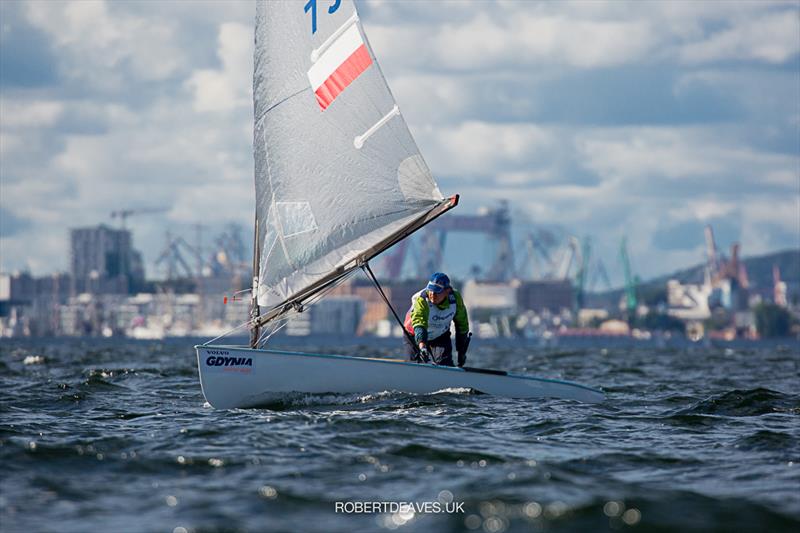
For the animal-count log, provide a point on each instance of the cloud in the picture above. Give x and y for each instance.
(222, 89)
(477, 148)
(20, 114)
(771, 38)
(527, 38)
(11, 224)
(105, 48)
(26, 60)
(684, 234)
(696, 154)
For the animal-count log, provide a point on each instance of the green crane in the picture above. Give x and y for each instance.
(630, 281)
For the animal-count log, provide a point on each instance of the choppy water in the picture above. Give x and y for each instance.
(102, 435)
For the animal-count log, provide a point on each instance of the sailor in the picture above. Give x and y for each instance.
(428, 323)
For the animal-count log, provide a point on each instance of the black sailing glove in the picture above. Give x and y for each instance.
(462, 344)
(425, 355)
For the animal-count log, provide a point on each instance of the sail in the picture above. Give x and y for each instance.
(337, 172)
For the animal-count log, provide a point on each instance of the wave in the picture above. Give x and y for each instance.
(765, 440)
(651, 510)
(293, 400)
(429, 453)
(751, 402)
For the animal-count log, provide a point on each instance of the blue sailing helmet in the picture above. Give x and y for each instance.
(439, 282)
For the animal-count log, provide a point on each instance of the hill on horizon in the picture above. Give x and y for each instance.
(759, 273)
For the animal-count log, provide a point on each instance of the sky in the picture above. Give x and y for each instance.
(605, 119)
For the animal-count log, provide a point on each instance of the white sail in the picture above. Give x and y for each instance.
(337, 172)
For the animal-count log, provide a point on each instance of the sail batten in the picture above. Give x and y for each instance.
(337, 172)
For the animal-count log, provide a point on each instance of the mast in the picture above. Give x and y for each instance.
(254, 309)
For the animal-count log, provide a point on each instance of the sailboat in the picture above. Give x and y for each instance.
(338, 180)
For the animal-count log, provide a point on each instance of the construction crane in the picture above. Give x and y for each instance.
(711, 251)
(123, 214)
(630, 282)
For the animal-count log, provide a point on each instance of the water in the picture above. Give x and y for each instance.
(114, 435)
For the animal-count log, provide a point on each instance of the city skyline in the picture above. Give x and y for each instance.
(605, 118)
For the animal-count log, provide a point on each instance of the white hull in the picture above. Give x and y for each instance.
(239, 377)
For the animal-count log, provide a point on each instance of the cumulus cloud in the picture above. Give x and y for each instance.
(697, 156)
(222, 89)
(107, 44)
(771, 38)
(523, 37)
(478, 148)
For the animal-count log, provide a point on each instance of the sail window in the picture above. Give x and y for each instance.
(295, 218)
(415, 179)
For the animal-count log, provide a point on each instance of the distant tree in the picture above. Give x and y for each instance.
(772, 320)
(660, 321)
(720, 319)
(652, 295)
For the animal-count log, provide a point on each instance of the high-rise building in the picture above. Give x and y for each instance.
(102, 260)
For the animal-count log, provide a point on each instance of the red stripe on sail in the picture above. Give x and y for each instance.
(343, 76)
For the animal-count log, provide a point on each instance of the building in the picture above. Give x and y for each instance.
(545, 295)
(498, 296)
(31, 303)
(103, 261)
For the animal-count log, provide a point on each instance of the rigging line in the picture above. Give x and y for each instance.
(368, 271)
(265, 335)
(240, 326)
(279, 102)
(314, 298)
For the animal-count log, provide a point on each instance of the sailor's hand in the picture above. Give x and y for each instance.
(424, 354)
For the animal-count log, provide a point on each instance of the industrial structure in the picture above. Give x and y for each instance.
(535, 289)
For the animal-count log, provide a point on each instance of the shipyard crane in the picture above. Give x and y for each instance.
(599, 271)
(581, 275)
(572, 250)
(711, 251)
(537, 249)
(393, 261)
(123, 214)
(174, 258)
(230, 251)
(630, 281)
(495, 223)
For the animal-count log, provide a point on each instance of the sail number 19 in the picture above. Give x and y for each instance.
(311, 5)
